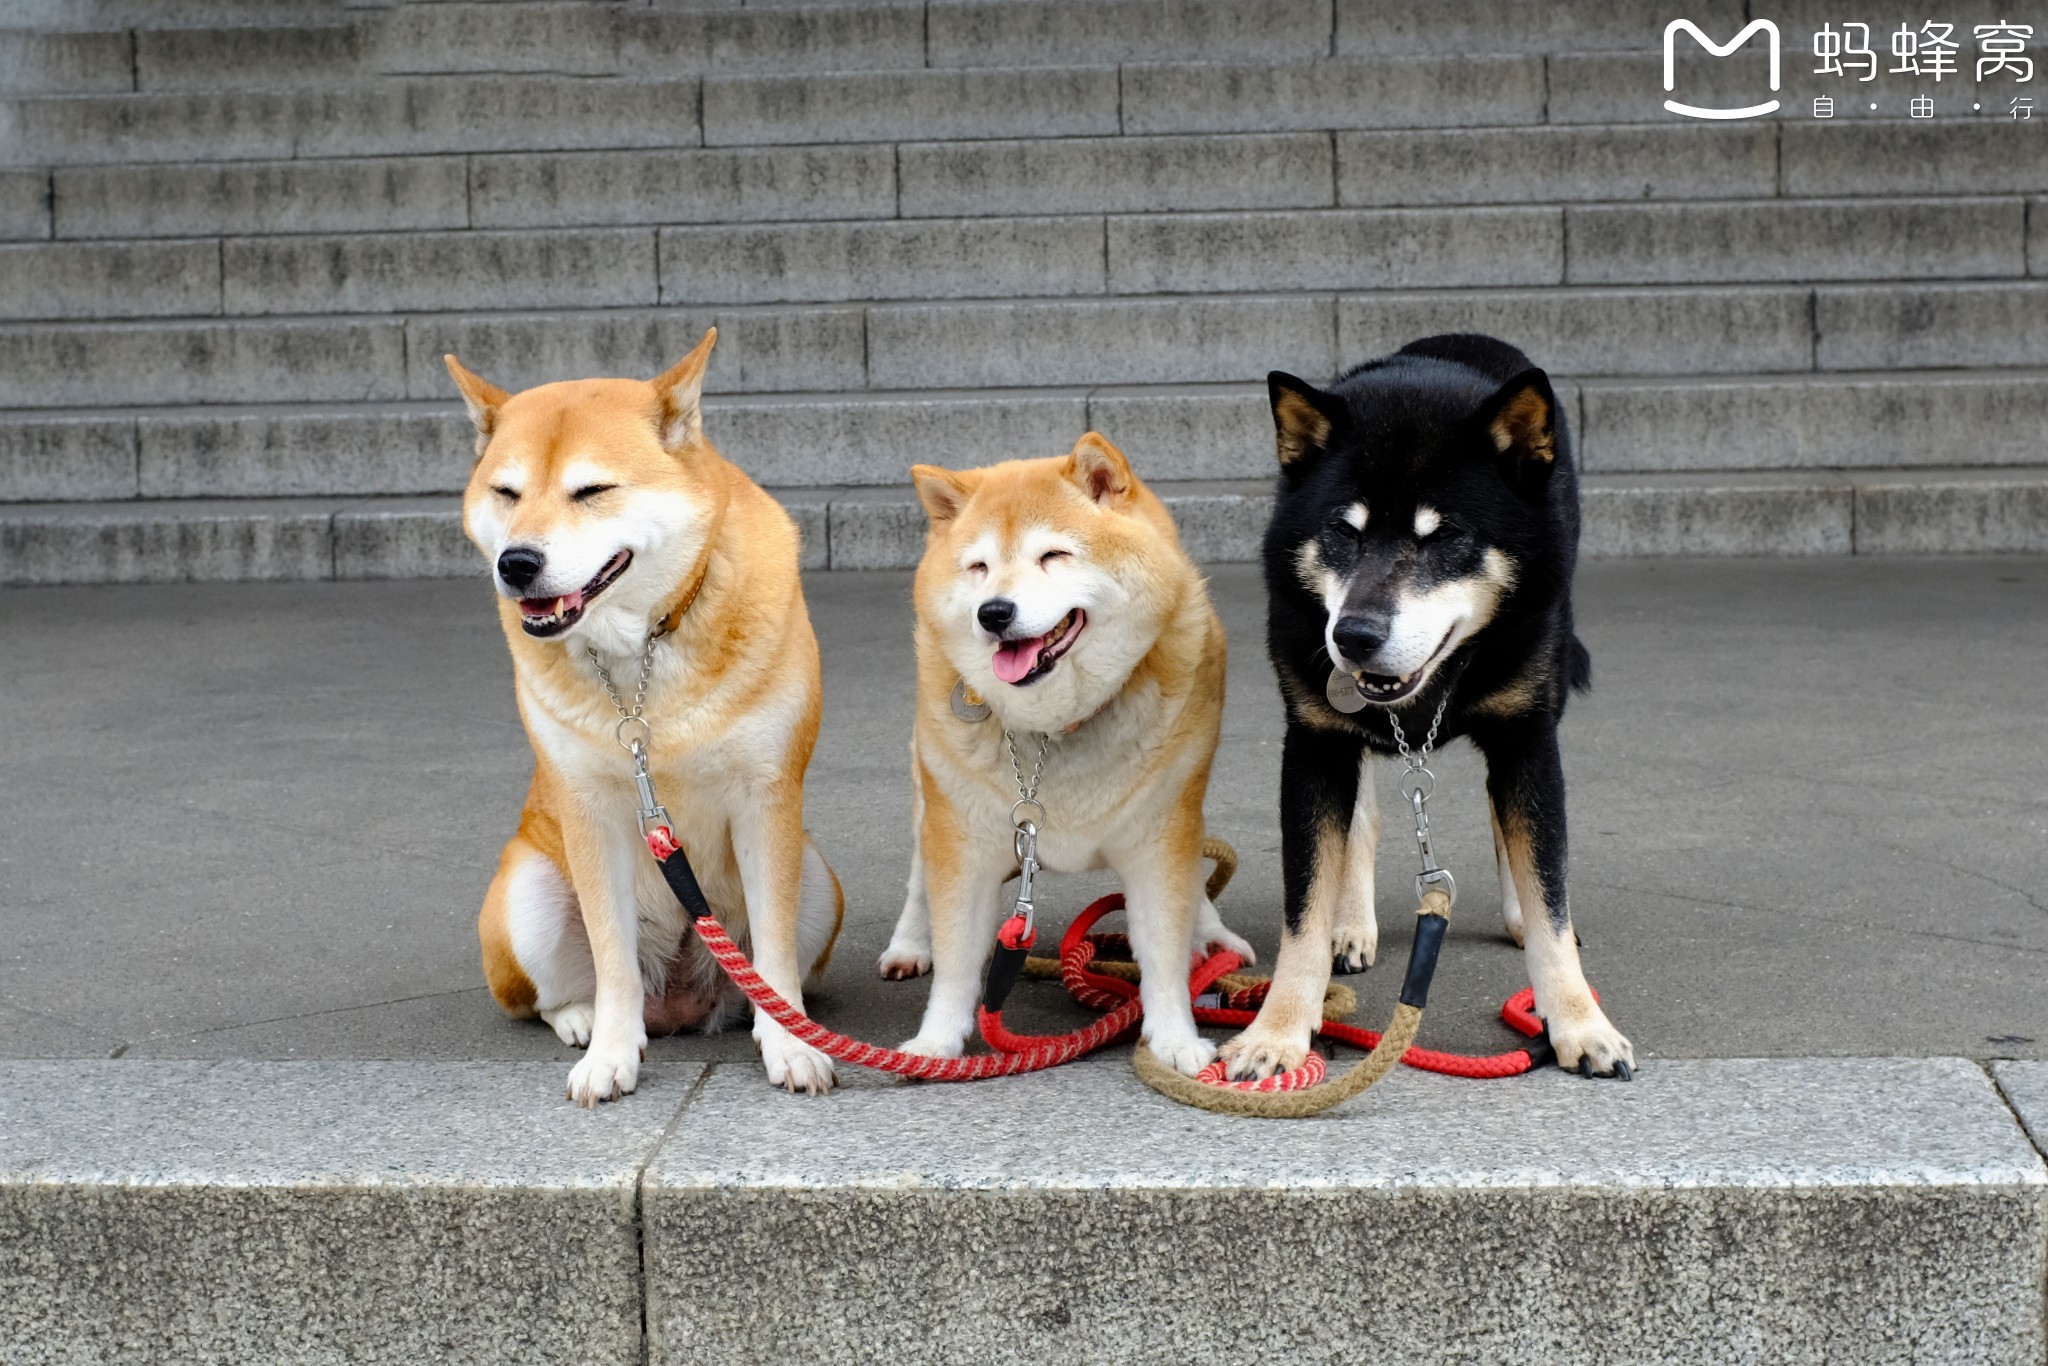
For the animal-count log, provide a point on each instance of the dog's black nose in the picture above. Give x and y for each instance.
(1360, 634)
(996, 614)
(519, 567)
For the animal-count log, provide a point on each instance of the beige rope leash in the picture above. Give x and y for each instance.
(1394, 1041)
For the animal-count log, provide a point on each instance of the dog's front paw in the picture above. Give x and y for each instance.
(795, 1065)
(901, 962)
(605, 1073)
(1593, 1047)
(1354, 949)
(1186, 1054)
(572, 1023)
(1262, 1051)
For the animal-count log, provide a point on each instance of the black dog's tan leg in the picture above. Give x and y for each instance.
(1525, 779)
(1319, 779)
(1510, 900)
(1355, 940)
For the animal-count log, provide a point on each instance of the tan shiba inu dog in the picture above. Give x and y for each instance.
(620, 540)
(1057, 590)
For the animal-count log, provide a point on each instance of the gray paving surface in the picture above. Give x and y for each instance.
(255, 821)
(1796, 1210)
(360, 1212)
(1776, 1210)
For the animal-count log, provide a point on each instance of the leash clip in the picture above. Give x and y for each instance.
(1020, 929)
(653, 815)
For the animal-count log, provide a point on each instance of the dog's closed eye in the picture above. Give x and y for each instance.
(509, 494)
(1049, 556)
(590, 491)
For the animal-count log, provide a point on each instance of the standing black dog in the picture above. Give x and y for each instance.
(1420, 557)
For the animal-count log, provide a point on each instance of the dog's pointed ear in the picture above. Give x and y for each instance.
(483, 399)
(943, 492)
(1304, 420)
(1100, 470)
(1521, 422)
(680, 418)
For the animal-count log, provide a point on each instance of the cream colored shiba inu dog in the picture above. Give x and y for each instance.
(629, 556)
(1055, 604)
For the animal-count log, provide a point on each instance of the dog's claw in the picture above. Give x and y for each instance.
(1344, 965)
(1623, 1072)
(1585, 1067)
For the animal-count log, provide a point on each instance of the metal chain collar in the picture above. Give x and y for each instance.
(1024, 836)
(652, 812)
(1417, 783)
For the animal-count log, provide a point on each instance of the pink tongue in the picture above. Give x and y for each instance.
(1014, 658)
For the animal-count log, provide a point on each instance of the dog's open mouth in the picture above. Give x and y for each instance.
(1023, 662)
(1387, 689)
(545, 617)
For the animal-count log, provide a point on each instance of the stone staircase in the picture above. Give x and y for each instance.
(239, 237)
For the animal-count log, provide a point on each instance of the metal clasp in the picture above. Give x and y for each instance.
(652, 812)
(1416, 785)
(1024, 840)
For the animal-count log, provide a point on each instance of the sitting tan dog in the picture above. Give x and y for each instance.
(633, 562)
(1066, 646)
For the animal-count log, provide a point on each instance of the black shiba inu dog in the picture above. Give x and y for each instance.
(1420, 558)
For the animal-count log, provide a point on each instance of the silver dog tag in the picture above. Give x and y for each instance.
(968, 706)
(1342, 692)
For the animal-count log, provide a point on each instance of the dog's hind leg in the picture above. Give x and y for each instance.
(820, 911)
(536, 954)
(1320, 772)
(1525, 779)
(910, 947)
(1355, 938)
(1510, 903)
(1213, 936)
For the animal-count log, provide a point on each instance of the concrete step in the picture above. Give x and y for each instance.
(35, 63)
(294, 46)
(449, 113)
(1770, 512)
(1982, 148)
(1792, 1210)
(70, 15)
(998, 258)
(395, 116)
(358, 359)
(1844, 164)
(1874, 421)
(1024, 343)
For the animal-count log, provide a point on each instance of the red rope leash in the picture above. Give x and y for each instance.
(1021, 1053)
(1116, 997)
